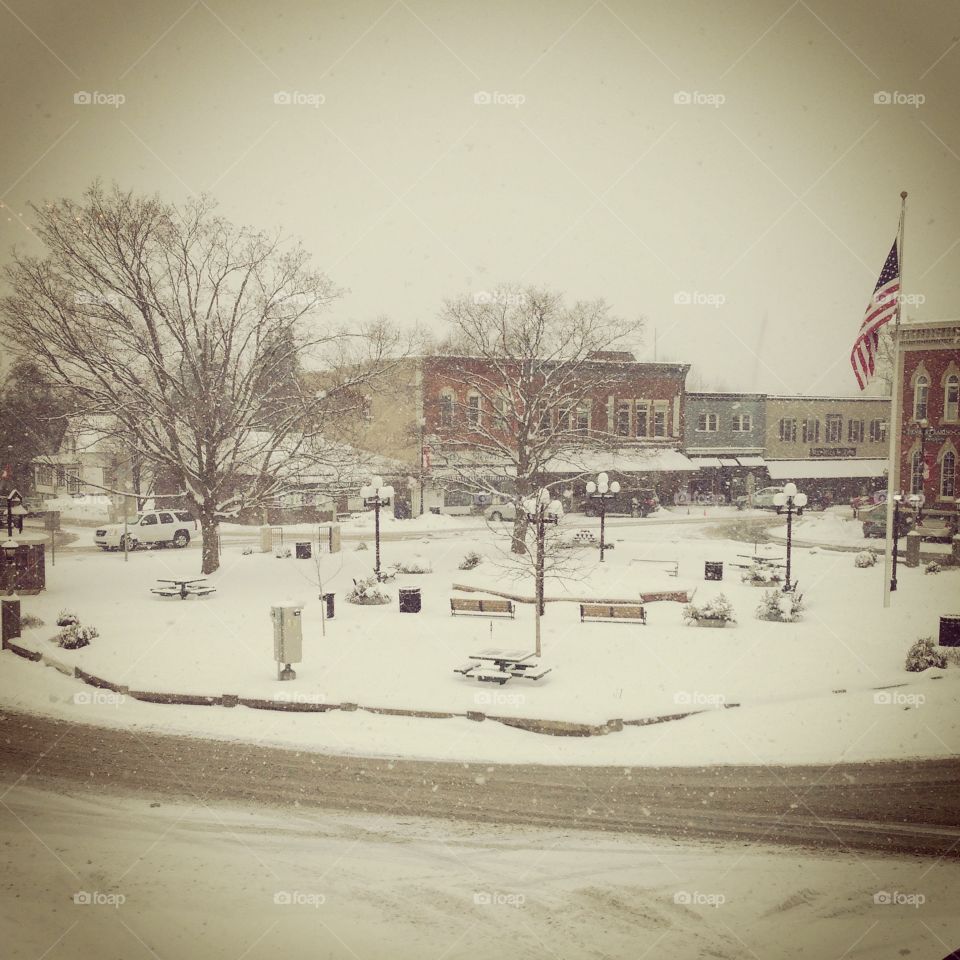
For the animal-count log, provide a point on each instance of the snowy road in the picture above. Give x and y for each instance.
(897, 807)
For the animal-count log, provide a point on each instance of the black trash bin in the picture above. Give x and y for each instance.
(304, 551)
(712, 570)
(950, 630)
(328, 600)
(409, 599)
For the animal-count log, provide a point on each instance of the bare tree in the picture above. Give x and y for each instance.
(537, 369)
(186, 330)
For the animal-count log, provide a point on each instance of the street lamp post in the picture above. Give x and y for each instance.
(541, 510)
(924, 424)
(792, 501)
(914, 502)
(602, 491)
(10, 566)
(375, 495)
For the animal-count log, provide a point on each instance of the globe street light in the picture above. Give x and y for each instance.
(792, 500)
(602, 491)
(541, 510)
(375, 494)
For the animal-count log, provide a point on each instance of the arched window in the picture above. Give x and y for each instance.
(916, 473)
(445, 405)
(473, 409)
(951, 398)
(921, 394)
(948, 475)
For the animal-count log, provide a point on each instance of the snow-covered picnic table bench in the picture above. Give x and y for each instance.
(183, 588)
(508, 663)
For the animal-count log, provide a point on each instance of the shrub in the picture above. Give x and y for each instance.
(760, 573)
(932, 567)
(471, 560)
(367, 592)
(74, 637)
(719, 608)
(362, 545)
(246, 551)
(67, 619)
(29, 622)
(866, 558)
(414, 565)
(780, 606)
(922, 655)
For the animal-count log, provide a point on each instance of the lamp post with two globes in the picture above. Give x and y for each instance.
(602, 490)
(375, 494)
(792, 501)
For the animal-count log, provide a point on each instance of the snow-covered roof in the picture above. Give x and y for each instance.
(825, 469)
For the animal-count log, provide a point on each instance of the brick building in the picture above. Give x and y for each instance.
(929, 377)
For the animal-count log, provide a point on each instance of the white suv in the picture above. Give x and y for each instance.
(158, 528)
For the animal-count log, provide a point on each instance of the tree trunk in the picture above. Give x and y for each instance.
(519, 539)
(209, 531)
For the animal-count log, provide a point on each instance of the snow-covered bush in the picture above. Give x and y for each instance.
(719, 608)
(922, 655)
(866, 558)
(366, 592)
(414, 565)
(29, 622)
(362, 545)
(759, 574)
(471, 560)
(932, 567)
(65, 618)
(246, 551)
(74, 637)
(283, 553)
(780, 606)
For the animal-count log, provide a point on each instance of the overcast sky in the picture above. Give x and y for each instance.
(769, 200)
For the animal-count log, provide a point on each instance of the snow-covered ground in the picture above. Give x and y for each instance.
(782, 676)
(104, 876)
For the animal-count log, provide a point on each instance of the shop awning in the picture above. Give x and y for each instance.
(700, 462)
(752, 461)
(728, 462)
(624, 460)
(825, 469)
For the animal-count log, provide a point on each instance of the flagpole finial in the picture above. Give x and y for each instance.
(903, 194)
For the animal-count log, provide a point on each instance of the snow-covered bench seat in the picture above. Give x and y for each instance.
(624, 612)
(467, 668)
(484, 608)
(492, 676)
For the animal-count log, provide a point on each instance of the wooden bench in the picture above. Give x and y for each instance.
(491, 676)
(484, 608)
(166, 591)
(201, 591)
(624, 612)
(468, 668)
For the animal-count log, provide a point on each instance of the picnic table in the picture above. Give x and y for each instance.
(759, 561)
(185, 587)
(508, 663)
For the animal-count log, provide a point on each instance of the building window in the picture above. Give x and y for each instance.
(660, 411)
(563, 418)
(44, 475)
(742, 423)
(916, 473)
(948, 475)
(500, 410)
(545, 424)
(811, 431)
(623, 418)
(583, 419)
(445, 404)
(855, 431)
(878, 431)
(473, 409)
(457, 498)
(951, 398)
(921, 395)
(642, 418)
(708, 423)
(73, 479)
(834, 428)
(788, 430)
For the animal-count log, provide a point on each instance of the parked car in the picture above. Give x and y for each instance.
(874, 521)
(501, 511)
(621, 504)
(158, 528)
(762, 498)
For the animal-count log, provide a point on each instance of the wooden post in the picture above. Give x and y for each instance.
(10, 616)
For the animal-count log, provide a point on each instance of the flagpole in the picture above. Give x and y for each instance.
(893, 461)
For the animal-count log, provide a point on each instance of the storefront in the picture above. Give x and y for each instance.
(838, 481)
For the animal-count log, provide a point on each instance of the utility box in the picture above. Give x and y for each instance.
(287, 632)
(266, 539)
(333, 543)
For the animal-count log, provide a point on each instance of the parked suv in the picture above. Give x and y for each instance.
(875, 521)
(158, 528)
(622, 503)
(762, 498)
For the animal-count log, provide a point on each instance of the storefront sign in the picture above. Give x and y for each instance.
(833, 452)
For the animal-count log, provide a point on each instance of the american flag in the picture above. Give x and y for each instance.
(882, 306)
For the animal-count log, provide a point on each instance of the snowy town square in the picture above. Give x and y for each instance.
(480, 481)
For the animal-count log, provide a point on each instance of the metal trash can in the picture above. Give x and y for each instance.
(950, 630)
(712, 570)
(304, 551)
(409, 599)
(328, 600)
